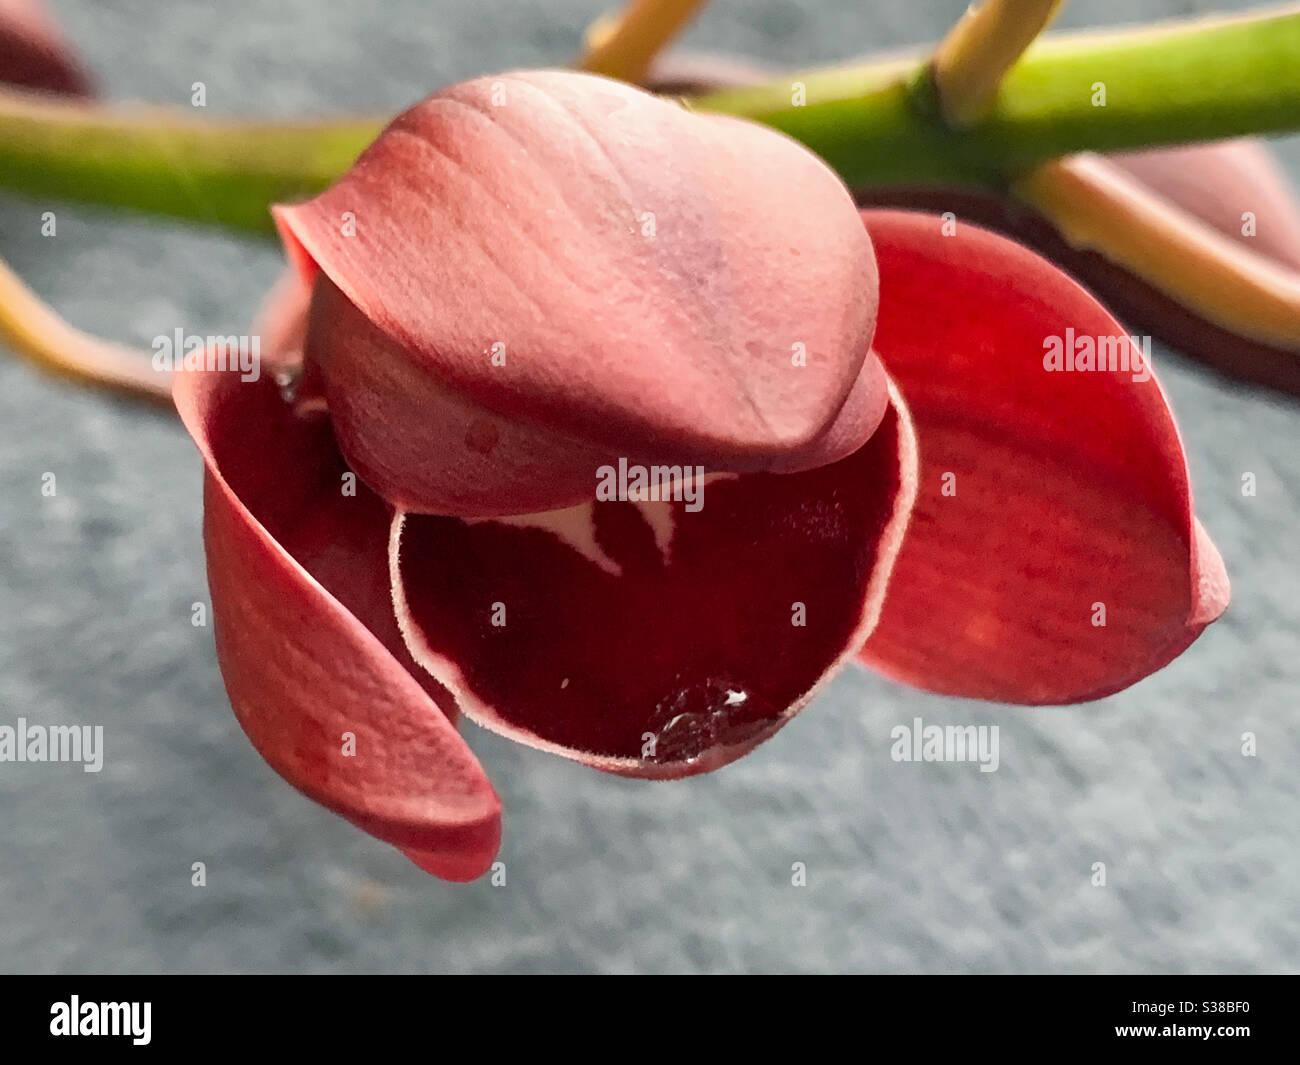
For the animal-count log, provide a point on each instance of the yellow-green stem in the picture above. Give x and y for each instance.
(1130, 88)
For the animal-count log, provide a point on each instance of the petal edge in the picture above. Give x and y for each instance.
(301, 669)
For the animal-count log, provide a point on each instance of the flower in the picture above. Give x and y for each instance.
(528, 283)
(34, 55)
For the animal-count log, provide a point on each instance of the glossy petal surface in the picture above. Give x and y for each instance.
(1043, 495)
(649, 639)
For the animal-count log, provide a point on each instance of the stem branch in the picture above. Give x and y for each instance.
(1099, 91)
(1128, 88)
(972, 59)
(624, 46)
(36, 332)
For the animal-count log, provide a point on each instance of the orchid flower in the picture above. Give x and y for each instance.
(530, 281)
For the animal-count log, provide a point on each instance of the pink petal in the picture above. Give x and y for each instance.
(1071, 489)
(653, 623)
(1220, 183)
(33, 53)
(665, 287)
(306, 636)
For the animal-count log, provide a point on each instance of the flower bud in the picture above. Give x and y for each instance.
(528, 277)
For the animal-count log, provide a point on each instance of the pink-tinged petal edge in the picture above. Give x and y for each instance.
(1071, 488)
(301, 668)
(589, 662)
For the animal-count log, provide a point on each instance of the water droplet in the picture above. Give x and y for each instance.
(715, 713)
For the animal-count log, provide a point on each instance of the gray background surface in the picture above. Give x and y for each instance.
(910, 867)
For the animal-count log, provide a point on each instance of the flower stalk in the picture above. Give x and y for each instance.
(37, 333)
(970, 62)
(1096, 207)
(623, 46)
(166, 162)
(1098, 91)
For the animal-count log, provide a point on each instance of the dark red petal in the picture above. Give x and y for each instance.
(34, 55)
(662, 286)
(668, 622)
(1071, 489)
(300, 664)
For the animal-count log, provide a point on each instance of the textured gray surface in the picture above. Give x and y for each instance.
(910, 867)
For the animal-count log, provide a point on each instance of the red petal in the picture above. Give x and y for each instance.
(440, 444)
(1071, 488)
(34, 55)
(672, 623)
(1219, 183)
(300, 664)
(514, 212)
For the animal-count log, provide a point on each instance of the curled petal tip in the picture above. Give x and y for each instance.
(308, 647)
(1210, 579)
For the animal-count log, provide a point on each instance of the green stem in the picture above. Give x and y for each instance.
(1164, 84)
(872, 122)
(225, 173)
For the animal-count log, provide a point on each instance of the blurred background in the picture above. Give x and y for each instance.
(910, 867)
